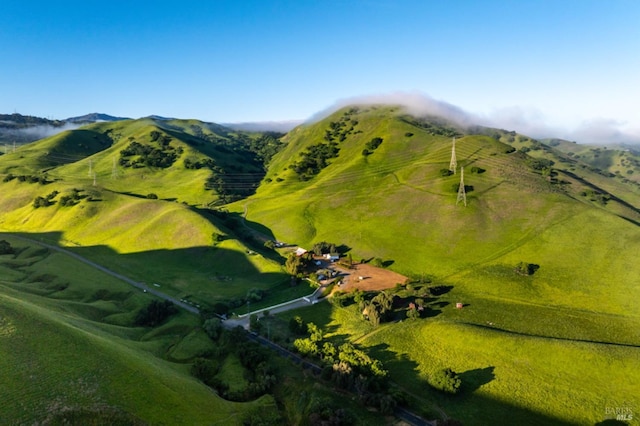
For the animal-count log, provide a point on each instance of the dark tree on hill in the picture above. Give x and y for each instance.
(446, 380)
(5, 247)
(155, 313)
(524, 268)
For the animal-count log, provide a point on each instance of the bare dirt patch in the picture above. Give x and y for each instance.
(366, 277)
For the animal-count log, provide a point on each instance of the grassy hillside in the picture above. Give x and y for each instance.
(136, 194)
(576, 224)
(70, 353)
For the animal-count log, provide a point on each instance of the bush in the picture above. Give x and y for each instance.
(5, 247)
(155, 313)
(446, 380)
(524, 268)
(152, 196)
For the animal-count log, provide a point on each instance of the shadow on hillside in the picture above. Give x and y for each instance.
(469, 407)
(252, 234)
(205, 274)
(472, 380)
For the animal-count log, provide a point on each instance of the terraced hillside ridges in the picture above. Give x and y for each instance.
(134, 236)
(71, 352)
(357, 198)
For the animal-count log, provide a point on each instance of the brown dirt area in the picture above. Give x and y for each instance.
(374, 279)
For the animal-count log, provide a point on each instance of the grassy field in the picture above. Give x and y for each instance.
(69, 350)
(557, 346)
(508, 378)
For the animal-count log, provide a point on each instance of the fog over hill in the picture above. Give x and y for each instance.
(522, 119)
(525, 120)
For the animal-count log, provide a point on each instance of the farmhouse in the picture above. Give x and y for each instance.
(332, 257)
(300, 251)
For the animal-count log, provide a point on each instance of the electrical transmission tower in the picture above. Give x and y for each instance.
(462, 195)
(454, 163)
(90, 168)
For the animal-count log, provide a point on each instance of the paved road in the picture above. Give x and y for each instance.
(242, 320)
(128, 280)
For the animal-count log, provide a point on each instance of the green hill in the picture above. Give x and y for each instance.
(397, 202)
(72, 356)
(170, 202)
(136, 193)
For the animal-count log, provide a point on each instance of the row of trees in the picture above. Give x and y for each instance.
(42, 180)
(45, 201)
(348, 367)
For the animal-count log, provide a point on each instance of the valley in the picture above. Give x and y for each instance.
(527, 292)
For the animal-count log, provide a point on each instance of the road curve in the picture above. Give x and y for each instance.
(243, 320)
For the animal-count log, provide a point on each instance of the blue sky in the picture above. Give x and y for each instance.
(563, 66)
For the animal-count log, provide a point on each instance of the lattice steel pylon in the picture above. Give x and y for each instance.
(454, 163)
(462, 195)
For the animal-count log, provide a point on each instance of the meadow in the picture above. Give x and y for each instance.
(70, 351)
(557, 346)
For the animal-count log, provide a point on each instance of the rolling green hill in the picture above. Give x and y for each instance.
(137, 193)
(70, 354)
(397, 202)
(138, 197)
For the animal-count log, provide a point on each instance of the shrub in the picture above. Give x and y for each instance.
(446, 380)
(155, 313)
(5, 247)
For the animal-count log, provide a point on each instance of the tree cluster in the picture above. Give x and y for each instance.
(446, 380)
(433, 125)
(316, 157)
(297, 265)
(162, 156)
(155, 313)
(371, 146)
(378, 309)
(5, 247)
(42, 180)
(350, 368)
(258, 369)
(72, 199)
(45, 201)
(524, 268)
(324, 247)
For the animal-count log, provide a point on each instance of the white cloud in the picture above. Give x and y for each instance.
(526, 120)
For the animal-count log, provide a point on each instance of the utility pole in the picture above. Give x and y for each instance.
(454, 163)
(90, 168)
(462, 195)
(94, 178)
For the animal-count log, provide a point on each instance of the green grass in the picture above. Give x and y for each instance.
(63, 358)
(508, 378)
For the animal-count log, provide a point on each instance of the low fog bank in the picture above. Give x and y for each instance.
(33, 133)
(264, 126)
(525, 120)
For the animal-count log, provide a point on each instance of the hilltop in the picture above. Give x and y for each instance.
(172, 202)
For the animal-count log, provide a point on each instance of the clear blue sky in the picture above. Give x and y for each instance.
(556, 63)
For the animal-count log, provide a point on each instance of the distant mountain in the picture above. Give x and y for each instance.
(94, 118)
(265, 126)
(159, 117)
